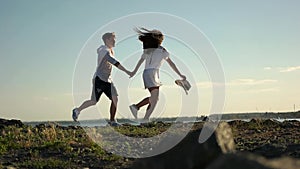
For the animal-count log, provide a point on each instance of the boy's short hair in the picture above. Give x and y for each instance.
(108, 35)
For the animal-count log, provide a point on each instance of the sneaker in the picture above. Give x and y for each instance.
(75, 114)
(134, 110)
(114, 124)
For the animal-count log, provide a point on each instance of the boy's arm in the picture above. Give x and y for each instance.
(116, 63)
(173, 66)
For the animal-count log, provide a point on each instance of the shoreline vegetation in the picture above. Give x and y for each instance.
(258, 143)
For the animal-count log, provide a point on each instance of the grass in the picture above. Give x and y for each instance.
(49, 146)
(52, 146)
(45, 163)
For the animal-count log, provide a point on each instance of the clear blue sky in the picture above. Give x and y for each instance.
(257, 42)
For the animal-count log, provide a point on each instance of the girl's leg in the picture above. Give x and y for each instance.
(154, 91)
(142, 103)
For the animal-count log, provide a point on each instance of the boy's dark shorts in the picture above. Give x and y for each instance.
(100, 86)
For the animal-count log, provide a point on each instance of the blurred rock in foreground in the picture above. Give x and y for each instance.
(190, 154)
(251, 161)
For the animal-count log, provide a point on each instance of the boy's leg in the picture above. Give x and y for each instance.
(113, 107)
(92, 101)
(94, 97)
(111, 92)
(86, 104)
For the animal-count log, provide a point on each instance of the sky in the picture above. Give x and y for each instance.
(42, 46)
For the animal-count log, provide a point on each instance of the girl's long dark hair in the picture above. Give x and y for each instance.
(150, 38)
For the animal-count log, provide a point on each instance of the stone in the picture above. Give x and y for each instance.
(13, 122)
(251, 161)
(189, 153)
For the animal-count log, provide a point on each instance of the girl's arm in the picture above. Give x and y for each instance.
(137, 67)
(173, 66)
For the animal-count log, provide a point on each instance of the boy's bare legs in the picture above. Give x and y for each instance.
(86, 104)
(113, 107)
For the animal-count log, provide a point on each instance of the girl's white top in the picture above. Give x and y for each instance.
(154, 59)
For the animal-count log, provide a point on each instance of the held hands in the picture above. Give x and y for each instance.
(131, 74)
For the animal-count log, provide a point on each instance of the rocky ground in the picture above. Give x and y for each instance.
(53, 146)
(268, 138)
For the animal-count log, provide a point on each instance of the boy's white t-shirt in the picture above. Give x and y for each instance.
(105, 61)
(155, 59)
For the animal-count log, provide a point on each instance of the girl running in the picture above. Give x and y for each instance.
(154, 55)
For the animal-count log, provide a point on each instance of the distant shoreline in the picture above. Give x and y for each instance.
(265, 115)
(223, 117)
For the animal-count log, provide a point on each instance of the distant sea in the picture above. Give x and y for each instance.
(104, 122)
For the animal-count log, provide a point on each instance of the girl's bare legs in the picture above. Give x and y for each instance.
(152, 101)
(142, 103)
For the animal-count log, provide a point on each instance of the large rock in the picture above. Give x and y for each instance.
(4, 123)
(251, 161)
(190, 154)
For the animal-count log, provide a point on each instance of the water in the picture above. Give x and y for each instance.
(103, 122)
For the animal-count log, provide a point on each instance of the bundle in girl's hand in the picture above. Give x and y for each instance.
(184, 84)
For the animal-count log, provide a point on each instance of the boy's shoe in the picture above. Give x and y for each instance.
(133, 110)
(75, 114)
(114, 124)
